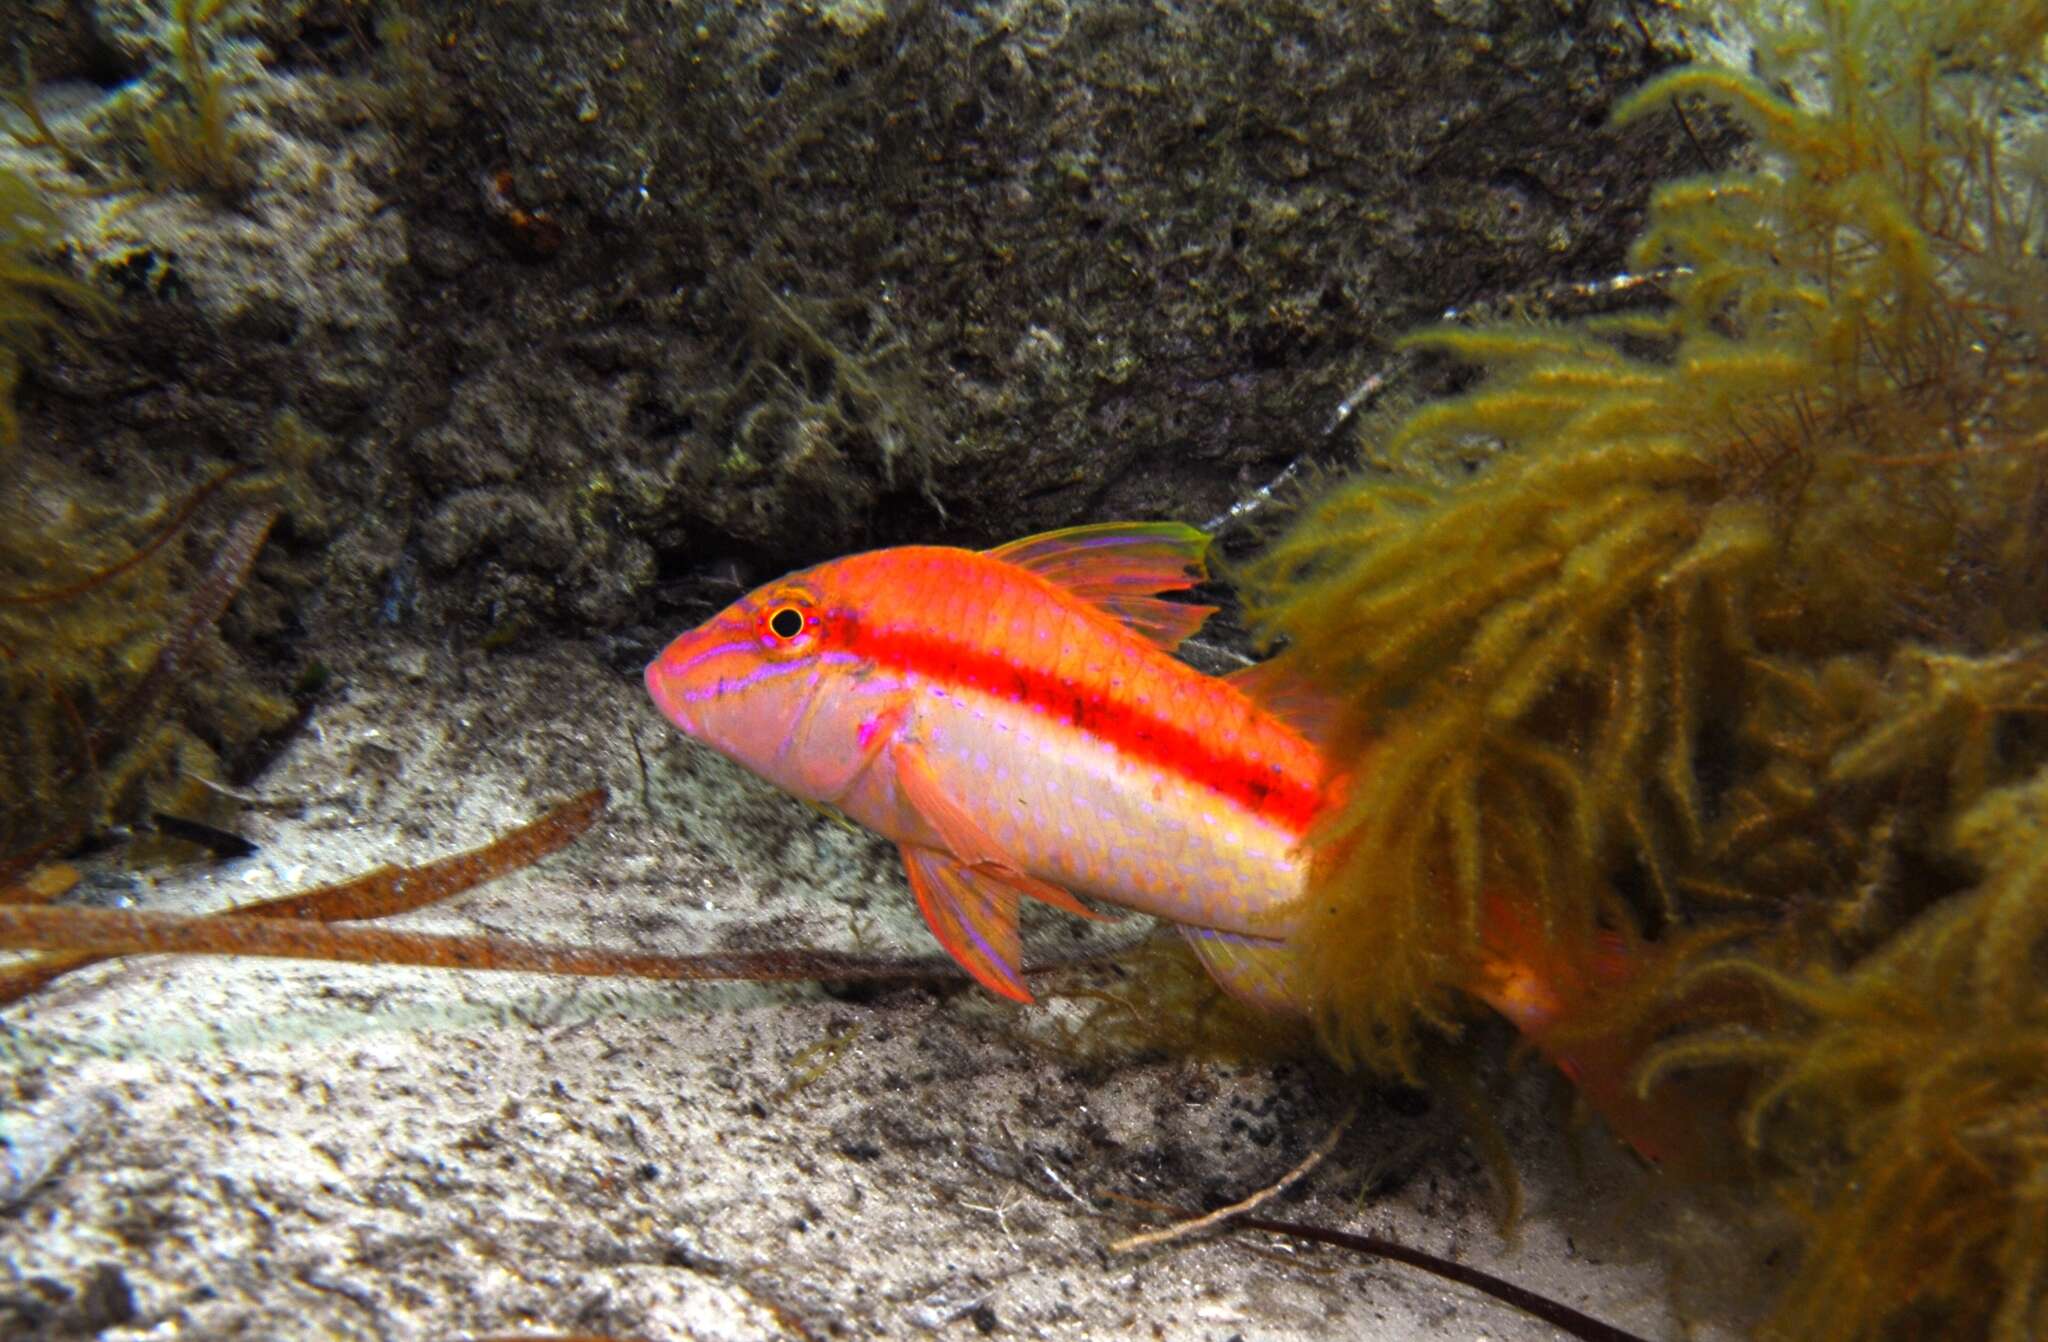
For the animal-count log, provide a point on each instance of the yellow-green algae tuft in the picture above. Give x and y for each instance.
(103, 614)
(1908, 1109)
(110, 592)
(1724, 625)
(28, 229)
(192, 140)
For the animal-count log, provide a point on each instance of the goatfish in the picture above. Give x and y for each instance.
(1013, 720)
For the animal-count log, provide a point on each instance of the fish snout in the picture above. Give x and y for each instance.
(666, 678)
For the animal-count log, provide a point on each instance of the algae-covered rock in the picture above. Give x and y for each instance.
(576, 301)
(812, 279)
(778, 281)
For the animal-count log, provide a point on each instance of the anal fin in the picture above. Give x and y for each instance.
(1254, 970)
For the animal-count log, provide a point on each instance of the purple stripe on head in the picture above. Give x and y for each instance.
(718, 650)
(766, 671)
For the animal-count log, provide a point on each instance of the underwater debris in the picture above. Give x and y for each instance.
(375, 894)
(1719, 625)
(95, 636)
(1242, 1215)
(142, 553)
(295, 926)
(1560, 1316)
(1195, 1225)
(71, 936)
(813, 1060)
(105, 932)
(205, 604)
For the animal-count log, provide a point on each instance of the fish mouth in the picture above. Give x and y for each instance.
(665, 696)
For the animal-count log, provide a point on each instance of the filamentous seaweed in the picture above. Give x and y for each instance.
(1720, 627)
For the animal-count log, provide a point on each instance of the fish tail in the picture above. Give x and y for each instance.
(1585, 1003)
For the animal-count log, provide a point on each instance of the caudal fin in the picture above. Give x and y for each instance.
(1580, 1003)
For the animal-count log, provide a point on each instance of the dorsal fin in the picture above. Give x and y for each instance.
(1277, 687)
(1122, 567)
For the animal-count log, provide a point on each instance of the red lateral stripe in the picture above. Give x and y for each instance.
(1267, 790)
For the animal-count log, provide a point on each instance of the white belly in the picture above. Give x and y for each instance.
(1074, 811)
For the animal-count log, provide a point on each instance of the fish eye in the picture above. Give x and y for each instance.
(786, 623)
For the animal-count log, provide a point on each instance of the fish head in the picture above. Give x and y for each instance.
(757, 681)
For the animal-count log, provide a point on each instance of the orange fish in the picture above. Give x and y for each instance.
(1012, 719)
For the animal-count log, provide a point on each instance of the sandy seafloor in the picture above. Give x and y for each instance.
(281, 1150)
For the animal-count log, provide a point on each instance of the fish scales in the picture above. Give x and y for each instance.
(1074, 737)
(1013, 720)
(1007, 632)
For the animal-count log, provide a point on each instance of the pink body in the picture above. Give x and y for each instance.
(1029, 692)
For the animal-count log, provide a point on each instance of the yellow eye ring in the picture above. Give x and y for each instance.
(786, 623)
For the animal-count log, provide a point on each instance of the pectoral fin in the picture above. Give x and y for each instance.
(974, 918)
(966, 839)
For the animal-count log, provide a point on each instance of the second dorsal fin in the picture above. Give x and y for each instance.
(1122, 567)
(1276, 686)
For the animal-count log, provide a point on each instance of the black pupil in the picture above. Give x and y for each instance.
(786, 623)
